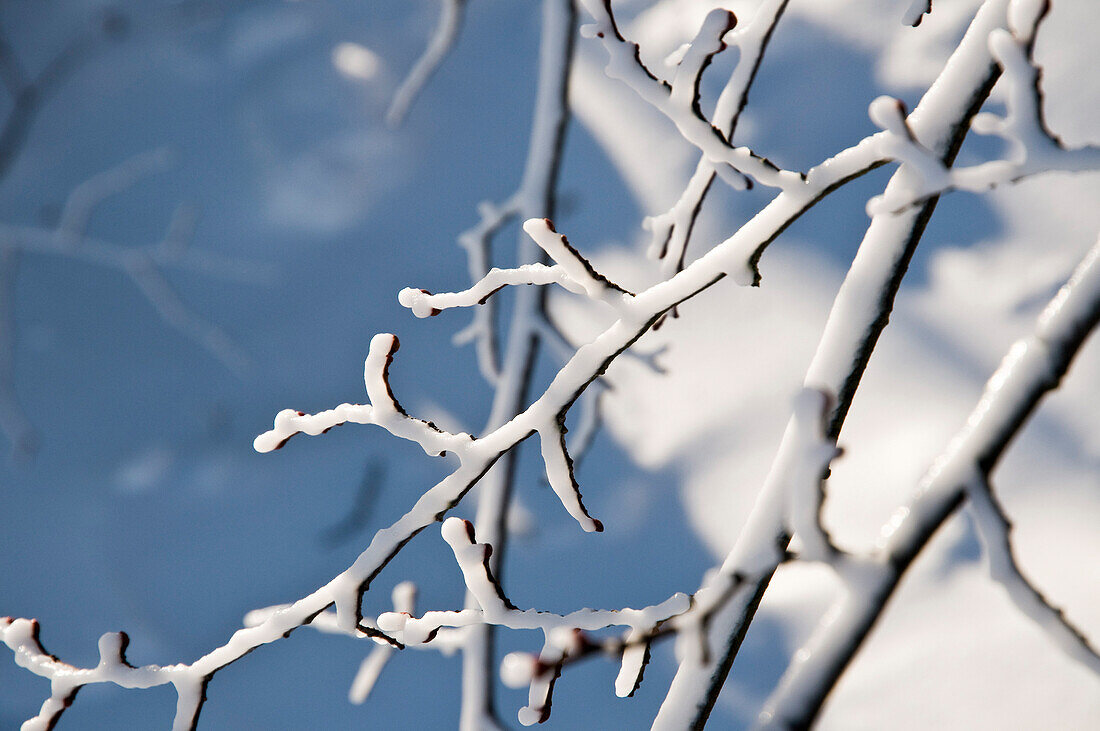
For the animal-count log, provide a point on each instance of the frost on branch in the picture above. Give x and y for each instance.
(383, 410)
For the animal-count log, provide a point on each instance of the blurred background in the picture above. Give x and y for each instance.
(252, 138)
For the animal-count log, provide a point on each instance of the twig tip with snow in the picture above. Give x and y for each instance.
(383, 410)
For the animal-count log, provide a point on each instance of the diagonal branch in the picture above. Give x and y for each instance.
(439, 45)
(559, 470)
(1032, 367)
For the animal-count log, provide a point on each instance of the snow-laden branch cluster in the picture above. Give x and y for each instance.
(708, 624)
(571, 271)
(563, 634)
(566, 637)
(145, 266)
(1032, 367)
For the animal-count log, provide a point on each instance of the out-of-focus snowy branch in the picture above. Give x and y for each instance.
(146, 267)
(29, 92)
(476, 242)
(439, 45)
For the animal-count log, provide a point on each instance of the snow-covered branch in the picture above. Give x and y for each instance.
(679, 100)
(810, 458)
(994, 530)
(447, 641)
(439, 45)
(671, 230)
(571, 272)
(22, 638)
(563, 633)
(709, 624)
(1032, 367)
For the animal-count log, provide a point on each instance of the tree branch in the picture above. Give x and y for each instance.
(1031, 368)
